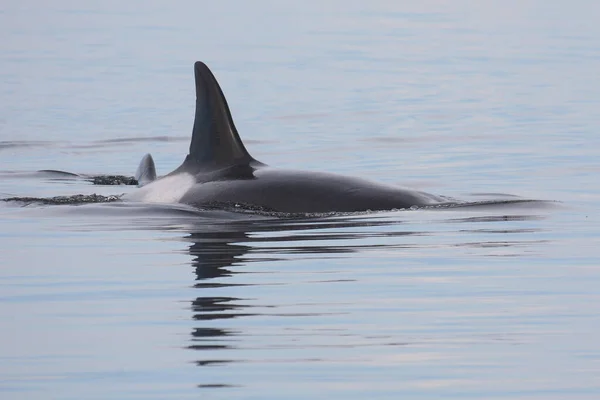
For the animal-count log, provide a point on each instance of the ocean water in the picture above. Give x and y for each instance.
(462, 99)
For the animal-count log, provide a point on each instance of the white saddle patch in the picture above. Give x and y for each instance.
(169, 189)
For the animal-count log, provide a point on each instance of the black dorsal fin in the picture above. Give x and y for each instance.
(215, 140)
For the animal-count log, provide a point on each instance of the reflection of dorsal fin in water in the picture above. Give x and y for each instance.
(146, 171)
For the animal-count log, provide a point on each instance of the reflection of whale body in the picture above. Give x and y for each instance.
(219, 171)
(223, 250)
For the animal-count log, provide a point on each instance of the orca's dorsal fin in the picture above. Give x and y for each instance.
(215, 140)
(146, 171)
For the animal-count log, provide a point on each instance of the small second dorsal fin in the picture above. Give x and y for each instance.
(215, 140)
(146, 171)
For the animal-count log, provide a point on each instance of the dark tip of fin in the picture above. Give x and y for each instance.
(215, 140)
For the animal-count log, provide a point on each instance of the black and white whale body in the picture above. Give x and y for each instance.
(219, 171)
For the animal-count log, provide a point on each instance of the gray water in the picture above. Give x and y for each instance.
(473, 100)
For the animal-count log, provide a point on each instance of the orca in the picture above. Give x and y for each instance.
(219, 172)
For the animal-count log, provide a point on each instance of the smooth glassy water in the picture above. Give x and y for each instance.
(473, 101)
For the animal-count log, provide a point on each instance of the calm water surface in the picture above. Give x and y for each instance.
(471, 101)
